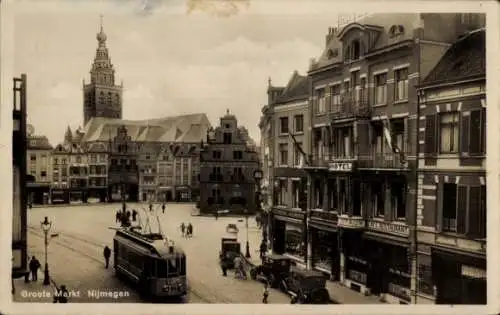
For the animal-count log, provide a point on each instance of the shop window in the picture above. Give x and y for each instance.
(449, 207)
(323, 249)
(294, 241)
(424, 279)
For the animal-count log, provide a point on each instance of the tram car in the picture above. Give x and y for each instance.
(155, 266)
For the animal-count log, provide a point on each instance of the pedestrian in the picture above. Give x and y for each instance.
(34, 266)
(263, 250)
(118, 216)
(265, 293)
(223, 263)
(237, 267)
(150, 207)
(134, 215)
(61, 295)
(107, 254)
(163, 208)
(190, 230)
(183, 229)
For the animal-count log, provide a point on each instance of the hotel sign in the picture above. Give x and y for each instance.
(340, 167)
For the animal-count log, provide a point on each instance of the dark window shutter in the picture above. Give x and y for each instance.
(430, 134)
(439, 208)
(483, 130)
(464, 134)
(474, 216)
(461, 209)
(483, 212)
(475, 132)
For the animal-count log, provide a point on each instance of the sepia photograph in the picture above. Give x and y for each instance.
(221, 152)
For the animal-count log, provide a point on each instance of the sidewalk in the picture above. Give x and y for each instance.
(338, 293)
(80, 269)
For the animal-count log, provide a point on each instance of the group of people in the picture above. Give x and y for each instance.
(123, 216)
(186, 230)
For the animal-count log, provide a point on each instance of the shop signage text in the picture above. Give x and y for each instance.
(340, 167)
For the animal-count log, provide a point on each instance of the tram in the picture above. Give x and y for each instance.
(156, 266)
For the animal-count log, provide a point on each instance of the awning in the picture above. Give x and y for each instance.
(288, 219)
(388, 239)
(323, 226)
(465, 258)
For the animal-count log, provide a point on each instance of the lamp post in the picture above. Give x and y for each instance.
(46, 225)
(257, 175)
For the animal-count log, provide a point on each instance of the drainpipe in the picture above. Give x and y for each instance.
(413, 227)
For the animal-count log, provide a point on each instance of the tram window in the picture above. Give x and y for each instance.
(173, 266)
(148, 268)
(182, 266)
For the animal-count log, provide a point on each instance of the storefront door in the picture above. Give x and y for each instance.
(278, 236)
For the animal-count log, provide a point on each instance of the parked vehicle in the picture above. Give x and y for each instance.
(307, 286)
(232, 248)
(274, 270)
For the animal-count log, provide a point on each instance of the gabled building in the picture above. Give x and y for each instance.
(227, 164)
(451, 212)
(38, 165)
(288, 109)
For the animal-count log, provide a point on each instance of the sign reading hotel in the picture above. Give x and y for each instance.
(340, 167)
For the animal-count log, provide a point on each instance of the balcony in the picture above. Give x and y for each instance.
(384, 161)
(351, 105)
(329, 216)
(351, 222)
(396, 228)
(335, 163)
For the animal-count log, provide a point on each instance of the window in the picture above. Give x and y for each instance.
(283, 154)
(283, 125)
(473, 132)
(217, 155)
(335, 98)
(55, 161)
(321, 101)
(93, 158)
(297, 155)
(401, 85)
(237, 155)
(299, 123)
(448, 129)
(381, 89)
(398, 200)
(378, 199)
(228, 138)
(283, 191)
(78, 159)
(318, 194)
(355, 50)
(296, 193)
(342, 142)
(449, 207)
(63, 162)
(33, 157)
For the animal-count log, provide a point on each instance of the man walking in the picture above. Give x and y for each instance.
(107, 254)
(183, 229)
(163, 208)
(265, 294)
(263, 250)
(34, 266)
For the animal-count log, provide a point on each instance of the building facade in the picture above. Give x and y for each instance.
(38, 165)
(102, 96)
(290, 147)
(362, 177)
(451, 215)
(19, 178)
(227, 165)
(59, 188)
(97, 157)
(148, 169)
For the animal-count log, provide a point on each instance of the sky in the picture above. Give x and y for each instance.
(171, 61)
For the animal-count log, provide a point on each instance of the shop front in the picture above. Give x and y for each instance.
(323, 233)
(288, 234)
(182, 194)
(38, 193)
(356, 266)
(389, 274)
(58, 196)
(460, 278)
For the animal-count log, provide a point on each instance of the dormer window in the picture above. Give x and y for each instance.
(353, 51)
(332, 53)
(396, 30)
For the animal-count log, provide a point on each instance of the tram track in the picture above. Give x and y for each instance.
(64, 239)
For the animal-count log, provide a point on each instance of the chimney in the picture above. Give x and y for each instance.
(329, 36)
(312, 63)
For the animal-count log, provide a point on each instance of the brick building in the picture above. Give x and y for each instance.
(451, 211)
(363, 172)
(98, 171)
(59, 188)
(290, 115)
(38, 165)
(228, 160)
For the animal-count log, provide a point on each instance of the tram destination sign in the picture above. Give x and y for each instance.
(340, 167)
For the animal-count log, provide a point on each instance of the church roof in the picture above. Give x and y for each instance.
(182, 128)
(466, 58)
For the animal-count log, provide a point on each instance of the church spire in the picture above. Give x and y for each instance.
(102, 69)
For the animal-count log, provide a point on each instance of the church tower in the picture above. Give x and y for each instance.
(102, 97)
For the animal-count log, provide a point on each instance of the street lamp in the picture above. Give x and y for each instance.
(46, 225)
